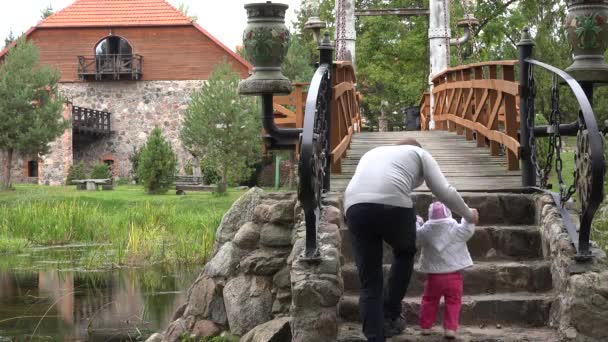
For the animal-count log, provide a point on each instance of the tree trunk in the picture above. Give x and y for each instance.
(222, 184)
(7, 169)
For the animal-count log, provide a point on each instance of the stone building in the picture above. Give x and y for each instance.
(126, 66)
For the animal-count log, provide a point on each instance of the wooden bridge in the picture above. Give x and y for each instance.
(476, 137)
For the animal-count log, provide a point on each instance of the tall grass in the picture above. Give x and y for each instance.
(141, 229)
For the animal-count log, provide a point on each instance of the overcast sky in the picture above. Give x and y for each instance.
(225, 19)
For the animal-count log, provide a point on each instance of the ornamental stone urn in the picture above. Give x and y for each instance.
(587, 32)
(266, 41)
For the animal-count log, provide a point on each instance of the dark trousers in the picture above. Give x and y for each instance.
(370, 224)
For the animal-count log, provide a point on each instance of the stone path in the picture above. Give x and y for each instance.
(467, 167)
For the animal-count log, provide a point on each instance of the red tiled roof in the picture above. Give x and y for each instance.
(95, 13)
(106, 13)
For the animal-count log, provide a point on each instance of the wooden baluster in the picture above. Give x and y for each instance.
(451, 93)
(299, 106)
(458, 102)
(511, 127)
(494, 146)
(439, 103)
(478, 74)
(467, 105)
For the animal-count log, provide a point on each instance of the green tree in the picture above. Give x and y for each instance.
(75, 172)
(157, 164)
(101, 171)
(223, 128)
(9, 39)
(185, 9)
(47, 12)
(30, 105)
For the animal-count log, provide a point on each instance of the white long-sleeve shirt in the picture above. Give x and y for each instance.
(443, 245)
(389, 174)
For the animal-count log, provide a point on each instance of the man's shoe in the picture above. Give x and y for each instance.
(394, 326)
(449, 334)
(426, 332)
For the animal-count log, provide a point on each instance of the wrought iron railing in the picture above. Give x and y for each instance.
(589, 157)
(110, 66)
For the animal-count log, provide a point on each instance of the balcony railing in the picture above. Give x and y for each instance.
(91, 122)
(110, 67)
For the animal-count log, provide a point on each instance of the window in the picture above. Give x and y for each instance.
(32, 168)
(113, 46)
(110, 164)
(113, 54)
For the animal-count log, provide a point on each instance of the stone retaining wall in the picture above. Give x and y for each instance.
(255, 286)
(580, 311)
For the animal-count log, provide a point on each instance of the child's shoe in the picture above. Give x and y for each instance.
(449, 334)
(426, 332)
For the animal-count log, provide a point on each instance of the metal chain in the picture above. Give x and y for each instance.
(341, 29)
(447, 33)
(475, 44)
(455, 26)
(530, 121)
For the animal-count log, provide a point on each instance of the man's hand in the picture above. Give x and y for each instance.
(475, 216)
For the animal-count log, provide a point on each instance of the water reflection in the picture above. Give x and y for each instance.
(69, 305)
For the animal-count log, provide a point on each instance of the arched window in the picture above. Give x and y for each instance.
(113, 45)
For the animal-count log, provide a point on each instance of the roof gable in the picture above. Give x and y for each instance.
(96, 13)
(122, 13)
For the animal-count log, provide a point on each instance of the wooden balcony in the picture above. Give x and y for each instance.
(89, 124)
(110, 67)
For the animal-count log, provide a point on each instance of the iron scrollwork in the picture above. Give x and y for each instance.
(589, 167)
(314, 155)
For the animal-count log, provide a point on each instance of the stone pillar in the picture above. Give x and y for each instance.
(439, 36)
(316, 288)
(54, 166)
(346, 35)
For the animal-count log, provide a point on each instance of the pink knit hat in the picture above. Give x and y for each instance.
(438, 211)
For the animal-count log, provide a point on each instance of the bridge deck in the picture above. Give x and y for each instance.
(466, 166)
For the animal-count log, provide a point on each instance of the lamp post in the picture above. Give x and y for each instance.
(314, 23)
(266, 40)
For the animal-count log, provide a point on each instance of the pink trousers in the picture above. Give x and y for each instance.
(449, 286)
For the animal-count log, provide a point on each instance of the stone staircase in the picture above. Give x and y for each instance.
(507, 294)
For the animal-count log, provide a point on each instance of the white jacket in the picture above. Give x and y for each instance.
(444, 245)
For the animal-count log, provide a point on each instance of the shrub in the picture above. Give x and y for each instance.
(134, 159)
(210, 176)
(188, 168)
(157, 164)
(101, 171)
(76, 171)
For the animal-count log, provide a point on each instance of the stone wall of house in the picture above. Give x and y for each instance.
(136, 107)
(256, 286)
(580, 311)
(18, 168)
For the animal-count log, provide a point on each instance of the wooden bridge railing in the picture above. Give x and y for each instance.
(479, 101)
(345, 115)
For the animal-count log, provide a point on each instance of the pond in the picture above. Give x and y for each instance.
(52, 294)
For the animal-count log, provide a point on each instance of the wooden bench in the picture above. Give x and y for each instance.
(190, 183)
(91, 184)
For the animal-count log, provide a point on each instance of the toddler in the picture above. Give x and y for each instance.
(444, 255)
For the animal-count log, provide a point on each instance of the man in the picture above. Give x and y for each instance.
(379, 207)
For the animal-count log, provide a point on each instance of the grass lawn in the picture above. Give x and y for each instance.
(139, 228)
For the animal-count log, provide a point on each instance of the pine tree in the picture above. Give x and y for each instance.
(9, 39)
(47, 12)
(223, 128)
(30, 106)
(157, 164)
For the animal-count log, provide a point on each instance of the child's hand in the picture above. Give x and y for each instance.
(419, 220)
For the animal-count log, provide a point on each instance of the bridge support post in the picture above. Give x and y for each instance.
(525, 47)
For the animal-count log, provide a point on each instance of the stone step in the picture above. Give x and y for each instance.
(482, 278)
(351, 332)
(487, 244)
(494, 208)
(523, 309)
